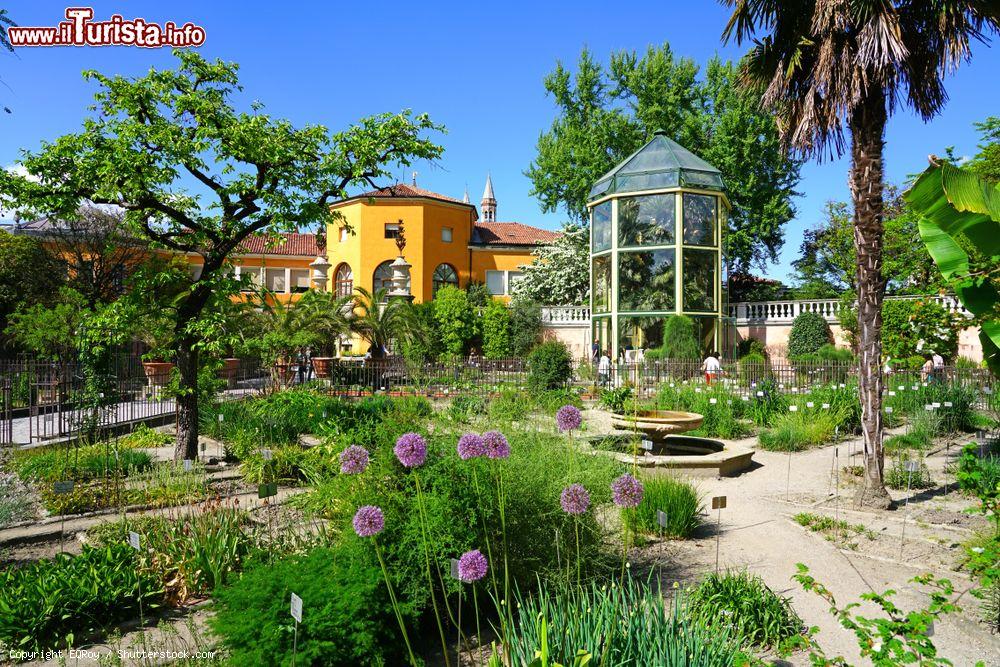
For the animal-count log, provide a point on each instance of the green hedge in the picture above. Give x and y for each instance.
(809, 333)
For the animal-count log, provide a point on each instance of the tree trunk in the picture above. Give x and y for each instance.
(867, 124)
(186, 446)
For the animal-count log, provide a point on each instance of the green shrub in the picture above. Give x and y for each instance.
(616, 625)
(510, 406)
(616, 399)
(465, 406)
(69, 599)
(144, 437)
(456, 321)
(676, 498)
(680, 339)
(550, 401)
(720, 409)
(550, 366)
(347, 617)
(496, 330)
(912, 327)
(898, 477)
(743, 603)
(809, 333)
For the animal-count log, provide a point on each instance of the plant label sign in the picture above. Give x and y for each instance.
(222, 417)
(267, 454)
(719, 503)
(826, 406)
(133, 540)
(892, 393)
(296, 608)
(65, 486)
(929, 407)
(267, 490)
(454, 568)
(713, 401)
(793, 408)
(948, 404)
(888, 410)
(912, 466)
(647, 445)
(188, 465)
(760, 394)
(661, 518)
(935, 405)
(810, 404)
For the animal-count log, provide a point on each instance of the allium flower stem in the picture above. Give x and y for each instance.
(479, 634)
(486, 537)
(427, 561)
(395, 604)
(576, 526)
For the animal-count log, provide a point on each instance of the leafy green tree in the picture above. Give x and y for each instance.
(382, 322)
(606, 114)
(51, 331)
(456, 323)
(559, 274)
(154, 137)
(986, 163)
(827, 265)
(496, 331)
(525, 325)
(28, 274)
(479, 294)
(822, 67)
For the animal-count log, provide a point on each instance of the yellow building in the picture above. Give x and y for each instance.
(446, 242)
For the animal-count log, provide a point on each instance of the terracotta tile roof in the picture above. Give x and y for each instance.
(293, 244)
(510, 233)
(404, 190)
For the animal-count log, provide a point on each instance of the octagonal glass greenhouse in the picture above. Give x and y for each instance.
(656, 225)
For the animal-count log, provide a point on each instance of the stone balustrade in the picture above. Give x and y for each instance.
(784, 312)
(566, 316)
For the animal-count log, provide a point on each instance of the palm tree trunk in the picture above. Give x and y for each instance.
(867, 125)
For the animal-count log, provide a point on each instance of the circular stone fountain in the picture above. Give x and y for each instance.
(663, 448)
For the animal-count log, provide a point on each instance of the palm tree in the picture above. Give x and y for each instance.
(821, 64)
(379, 320)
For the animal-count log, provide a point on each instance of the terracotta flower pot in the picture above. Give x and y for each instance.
(230, 367)
(321, 366)
(283, 373)
(157, 372)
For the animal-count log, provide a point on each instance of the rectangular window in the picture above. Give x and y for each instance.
(600, 227)
(276, 280)
(601, 287)
(343, 234)
(495, 283)
(446, 234)
(646, 280)
(513, 278)
(699, 219)
(699, 280)
(392, 230)
(300, 280)
(251, 276)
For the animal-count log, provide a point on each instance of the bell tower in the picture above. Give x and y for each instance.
(488, 206)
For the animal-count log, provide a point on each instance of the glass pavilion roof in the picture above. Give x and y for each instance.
(661, 163)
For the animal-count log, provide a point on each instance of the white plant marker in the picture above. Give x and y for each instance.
(296, 611)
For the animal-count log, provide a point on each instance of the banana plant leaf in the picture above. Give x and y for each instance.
(957, 206)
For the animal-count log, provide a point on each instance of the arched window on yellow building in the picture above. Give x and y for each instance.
(445, 274)
(343, 280)
(382, 279)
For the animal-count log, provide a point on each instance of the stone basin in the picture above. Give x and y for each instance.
(657, 424)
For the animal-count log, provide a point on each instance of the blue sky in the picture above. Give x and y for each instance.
(475, 67)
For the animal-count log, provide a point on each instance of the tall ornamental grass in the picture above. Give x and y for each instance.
(741, 604)
(627, 624)
(676, 498)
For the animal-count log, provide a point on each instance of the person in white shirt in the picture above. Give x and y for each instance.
(712, 367)
(604, 369)
(938, 361)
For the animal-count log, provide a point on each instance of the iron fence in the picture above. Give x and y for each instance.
(43, 400)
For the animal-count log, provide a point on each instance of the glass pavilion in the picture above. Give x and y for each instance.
(656, 224)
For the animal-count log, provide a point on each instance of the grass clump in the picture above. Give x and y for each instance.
(52, 464)
(626, 624)
(510, 406)
(898, 477)
(678, 499)
(15, 503)
(743, 604)
(797, 431)
(832, 529)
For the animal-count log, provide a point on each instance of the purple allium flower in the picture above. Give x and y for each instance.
(353, 460)
(472, 566)
(368, 521)
(497, 446)
(411, 450)
(568, 418)
(471, 445)
(574, 499)
(626, 491)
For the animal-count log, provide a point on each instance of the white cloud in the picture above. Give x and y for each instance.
(6, 214)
